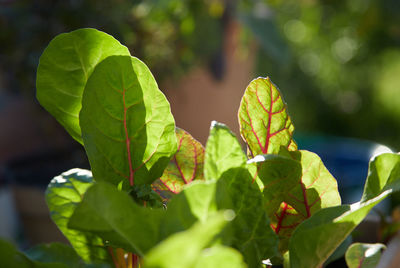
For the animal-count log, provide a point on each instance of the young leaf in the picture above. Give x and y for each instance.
(127, 126)
(223, 151)
(185, 167)
(115, 217)
(264, 122)
(311, 243)
(361, 255)
(64, 68)
(185, 248)
(63, 195)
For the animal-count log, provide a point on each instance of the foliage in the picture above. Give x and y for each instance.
(157, 198)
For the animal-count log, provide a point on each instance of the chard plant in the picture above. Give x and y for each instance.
(155, 197)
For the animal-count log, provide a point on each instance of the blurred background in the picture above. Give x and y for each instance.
(337, 64)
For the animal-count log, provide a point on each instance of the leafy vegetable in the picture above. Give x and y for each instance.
(185, 166)
(364, 255)
(63, 195)
(223, 210)
(264, 122)
(127, 126)
(64, 68)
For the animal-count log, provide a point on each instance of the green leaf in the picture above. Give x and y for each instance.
(115, 217)
(264, 122)
(221, 257)
(64, 68)
(127, 126)
(317, 237)
(185, 248)
(63, 195)
(250, 232)
(185, 167)
(361, 255)
(382, 175)
(223, 151)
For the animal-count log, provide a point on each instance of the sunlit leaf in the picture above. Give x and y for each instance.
(64, 68)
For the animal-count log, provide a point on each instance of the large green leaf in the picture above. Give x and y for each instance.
(64, 68)
(316, 238)
(184, 249)
(264, 122)
(63, 195)
(361, 255)
(115, 217)
(223, 151)
(127, 126)
(185, 167)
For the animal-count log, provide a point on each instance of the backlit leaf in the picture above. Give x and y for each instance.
(127, 126)
(64, 68)
(185, 166)
(264, 122)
